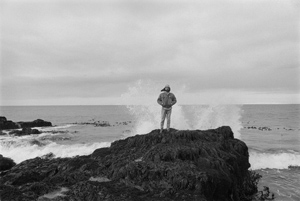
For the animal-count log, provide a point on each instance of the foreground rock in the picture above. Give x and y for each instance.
(8, 124)
(179, 165)
(6, 163)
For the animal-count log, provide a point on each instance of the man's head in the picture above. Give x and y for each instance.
(167, 88)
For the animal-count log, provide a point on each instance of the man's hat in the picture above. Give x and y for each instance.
(165, 87)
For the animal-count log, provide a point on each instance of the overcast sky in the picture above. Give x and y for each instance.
(57, 52)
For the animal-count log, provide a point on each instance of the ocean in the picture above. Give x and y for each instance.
(271, 132)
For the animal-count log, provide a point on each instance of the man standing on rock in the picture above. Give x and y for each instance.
(166, 100)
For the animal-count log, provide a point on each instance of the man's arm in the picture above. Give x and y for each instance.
(159, 100)
(174, 100)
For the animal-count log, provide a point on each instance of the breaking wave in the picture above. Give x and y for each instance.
(262, 160)
(146, 111)
(19, 149)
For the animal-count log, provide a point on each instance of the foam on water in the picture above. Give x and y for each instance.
(213, 116)
(57, 193)
(20, 149)
(273, 160)
(55, 127)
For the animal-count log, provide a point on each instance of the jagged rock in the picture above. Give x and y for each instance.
(48, 156)
(35, 123)
(3, 119)
(24, 131)
(264, 128)
(295, 167)
(264, 195)
(6, 163)
(178, 165)
(7, 124)
(96, 123)
(103, 123)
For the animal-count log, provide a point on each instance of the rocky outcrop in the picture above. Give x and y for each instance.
(95, 123)
(24, 131)
(178, 165)
(2, 119)
(6, 163)
(7, 124)
(35, 123)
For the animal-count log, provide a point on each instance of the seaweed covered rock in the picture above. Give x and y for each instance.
(35, 123)
(22, 128)
(8, 124)
(198, 163)
(178, 165)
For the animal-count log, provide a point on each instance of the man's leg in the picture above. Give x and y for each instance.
(162, 122)
(168, 119)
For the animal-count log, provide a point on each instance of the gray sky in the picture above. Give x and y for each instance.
(92, 52)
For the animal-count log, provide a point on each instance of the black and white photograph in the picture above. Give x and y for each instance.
(152, 100)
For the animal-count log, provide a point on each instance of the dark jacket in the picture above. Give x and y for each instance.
(166, 100)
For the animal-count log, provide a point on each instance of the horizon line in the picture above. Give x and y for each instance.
(153, 104)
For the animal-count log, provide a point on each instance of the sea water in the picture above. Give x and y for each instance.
(271, 132)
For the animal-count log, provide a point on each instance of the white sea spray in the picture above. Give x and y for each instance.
(146, 111)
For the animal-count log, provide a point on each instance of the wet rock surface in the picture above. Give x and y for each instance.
(96, 123)
(35, 123)
(6, 163)
(178, 165)
(266, 128)
(24, 131)
(8, 124)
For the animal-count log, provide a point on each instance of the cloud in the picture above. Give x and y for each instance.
(98, 48)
